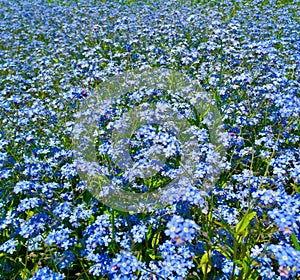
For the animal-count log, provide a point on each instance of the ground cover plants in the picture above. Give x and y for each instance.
(243, 55)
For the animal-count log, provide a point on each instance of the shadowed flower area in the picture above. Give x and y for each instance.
(232, 210)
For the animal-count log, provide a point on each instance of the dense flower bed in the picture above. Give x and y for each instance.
(245, 54)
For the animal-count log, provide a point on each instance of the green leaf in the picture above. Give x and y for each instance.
(295, 241)
(25, 273)
(152, 256)
(205, 264)
(6, 233)
(226, 251)
(244, 223)
(29, 214)
(149, 233)
(246, 263)
(223, 225)
(92, 218)
(155, 239)
(140, 256)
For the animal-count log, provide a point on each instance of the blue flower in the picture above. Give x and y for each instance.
(181, 230)
(287, 222)
(64, 259)
(125, 263)
(61, 238)
(174, 226)
(138, 233)
(9, 246)
(245, 56)
(287, 258)
(102, 265)
(28, 203)
(47, 274)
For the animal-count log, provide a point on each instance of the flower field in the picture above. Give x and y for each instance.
(149, 139)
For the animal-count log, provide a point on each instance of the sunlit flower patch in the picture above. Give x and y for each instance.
(232, 206)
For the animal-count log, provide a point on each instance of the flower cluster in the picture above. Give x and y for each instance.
(181, 230)
(229, 210)
(46, 273)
